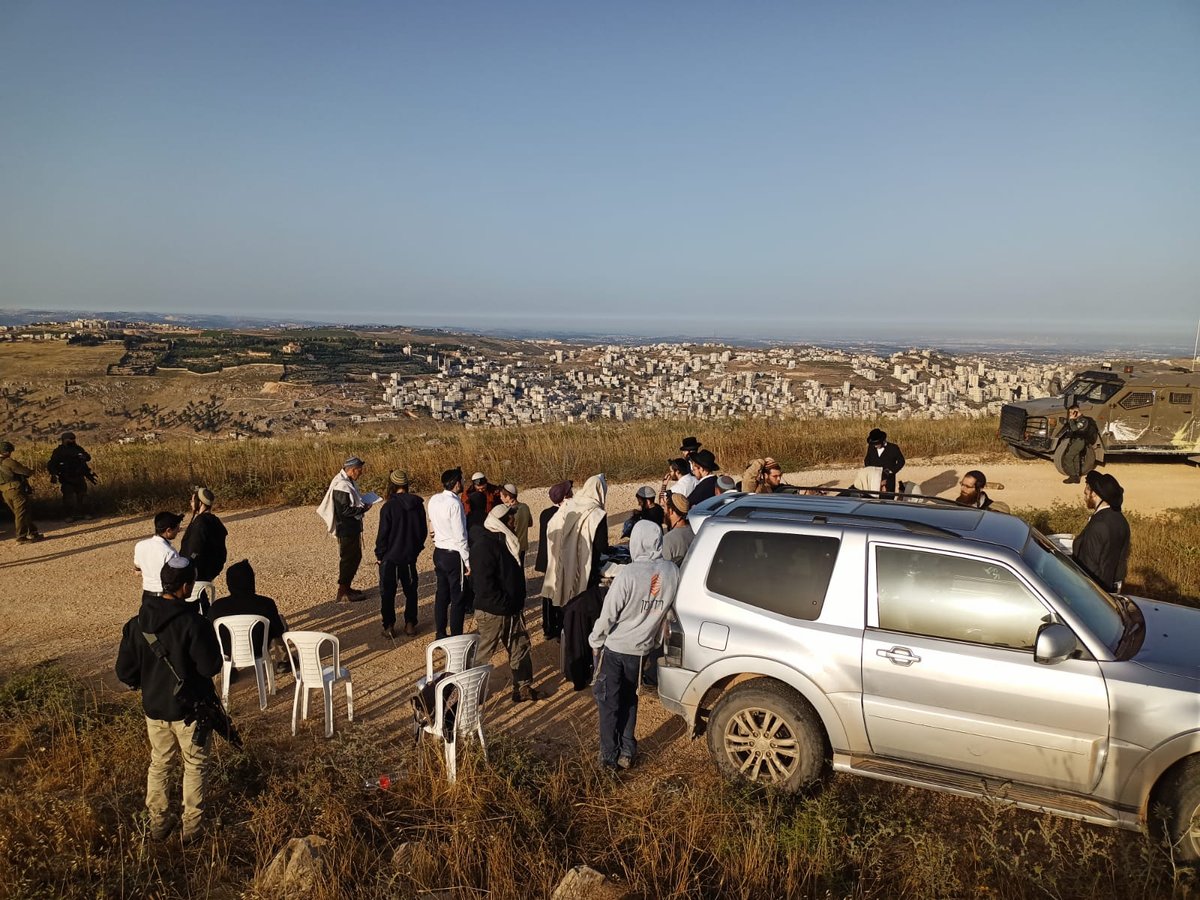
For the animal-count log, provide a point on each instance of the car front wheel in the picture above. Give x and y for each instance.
(765, 732)
(1181, 797)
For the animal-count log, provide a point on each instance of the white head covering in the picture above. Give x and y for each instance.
(495, 522)
(869, 478)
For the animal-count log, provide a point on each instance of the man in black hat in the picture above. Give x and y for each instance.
(171, 655)
(689, 446)
(69, 467)
(1102, 548)
(704, 468)
(883, 455)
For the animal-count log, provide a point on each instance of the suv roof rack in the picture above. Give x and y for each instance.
(748, 511)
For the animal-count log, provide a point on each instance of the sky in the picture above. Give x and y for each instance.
(800, 169)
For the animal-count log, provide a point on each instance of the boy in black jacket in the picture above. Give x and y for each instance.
(204, 544)
(188, 641)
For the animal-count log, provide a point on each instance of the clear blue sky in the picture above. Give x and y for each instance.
(823, 167)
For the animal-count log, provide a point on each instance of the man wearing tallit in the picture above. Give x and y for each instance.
(498, 582)
(342, 511)
(578, 536)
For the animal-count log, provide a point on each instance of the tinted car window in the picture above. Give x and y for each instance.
(959, 599)
(781, 573)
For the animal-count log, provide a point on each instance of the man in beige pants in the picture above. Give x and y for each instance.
(169, 652)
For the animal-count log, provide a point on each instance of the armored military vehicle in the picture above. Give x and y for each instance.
(1136, 411)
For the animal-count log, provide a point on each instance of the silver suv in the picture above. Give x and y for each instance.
(935, 646)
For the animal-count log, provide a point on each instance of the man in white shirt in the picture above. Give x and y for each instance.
(451, 555)
(150, 555)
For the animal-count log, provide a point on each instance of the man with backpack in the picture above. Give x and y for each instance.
(171, 654)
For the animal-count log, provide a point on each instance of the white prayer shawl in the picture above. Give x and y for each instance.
(869, 478)
(569, 541)
(344, 483)
(496, 524)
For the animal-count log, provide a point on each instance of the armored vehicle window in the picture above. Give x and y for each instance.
(1181, 398)
(1092, 391)
(781, 573)
(1137, 400)
(958, 599)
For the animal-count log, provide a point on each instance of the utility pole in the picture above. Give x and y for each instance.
(1196, 346)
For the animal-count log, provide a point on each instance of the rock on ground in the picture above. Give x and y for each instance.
(297, 868)
(585, 883)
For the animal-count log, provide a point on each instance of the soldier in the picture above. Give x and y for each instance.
(14, 487)
(69, 467)
(1081, 433)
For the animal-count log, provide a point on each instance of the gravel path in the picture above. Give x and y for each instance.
(68, 597)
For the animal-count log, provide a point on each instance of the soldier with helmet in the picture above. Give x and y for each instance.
(68, 466)
(15, 489)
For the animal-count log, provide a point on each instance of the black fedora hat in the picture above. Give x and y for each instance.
(705, 460)
(689, 445)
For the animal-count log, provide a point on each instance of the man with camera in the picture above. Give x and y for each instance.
(171, 654)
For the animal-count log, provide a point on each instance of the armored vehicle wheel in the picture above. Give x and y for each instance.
(1089, 459)
(1022, 454)
(1181, 796)
(764, 731)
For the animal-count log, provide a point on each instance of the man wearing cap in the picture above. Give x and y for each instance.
(1102, 548)
(451, 555)
(725, 484)
(342, 510)
(679, 533)
(401, 538)
(689, 446)
(704, 468)
(204, 544)
(69, 467)
(151, 554)
(647, 509)
(184, 646)
(15, 489)
(885, 456)
(478, 499)
(522, 517)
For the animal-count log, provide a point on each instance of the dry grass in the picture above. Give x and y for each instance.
(72, 776)
(297, 470)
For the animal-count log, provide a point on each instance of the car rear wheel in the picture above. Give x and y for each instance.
(1181, 797)
(765, 732)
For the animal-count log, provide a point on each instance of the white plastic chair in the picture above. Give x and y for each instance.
(243, 654)
(468, 714)
(199, 588)
(459, 651)
(311, 674)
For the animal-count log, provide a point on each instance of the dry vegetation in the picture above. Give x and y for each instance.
(72, 775)
(297, 470)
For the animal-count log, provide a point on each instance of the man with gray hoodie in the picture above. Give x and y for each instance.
(629, 628)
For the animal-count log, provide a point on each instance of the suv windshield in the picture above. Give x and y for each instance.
(1097, 609)
(1092, 391)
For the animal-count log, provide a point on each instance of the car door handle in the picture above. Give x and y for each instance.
(900, 656)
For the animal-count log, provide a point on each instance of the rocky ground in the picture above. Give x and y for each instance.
(68, 597)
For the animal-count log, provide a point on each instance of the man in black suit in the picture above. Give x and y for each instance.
(885, 456)
(704, 468)
(1102, 548)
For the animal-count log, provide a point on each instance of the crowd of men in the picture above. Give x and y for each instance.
(608, 610)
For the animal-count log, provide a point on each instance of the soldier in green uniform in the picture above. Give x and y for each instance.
(1081, 433)
(14, 488)
(68, 466)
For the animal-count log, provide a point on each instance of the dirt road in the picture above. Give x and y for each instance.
(68, 597)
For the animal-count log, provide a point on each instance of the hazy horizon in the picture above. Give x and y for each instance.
(875, 170)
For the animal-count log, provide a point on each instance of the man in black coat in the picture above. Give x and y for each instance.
(69, 466)
(885, 456)
(1102, 548)
(188, 642)
(499, 585)
(204, 544)
(704, 468)
(401, 538)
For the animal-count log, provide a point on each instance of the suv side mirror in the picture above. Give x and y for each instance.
(1055, 643)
